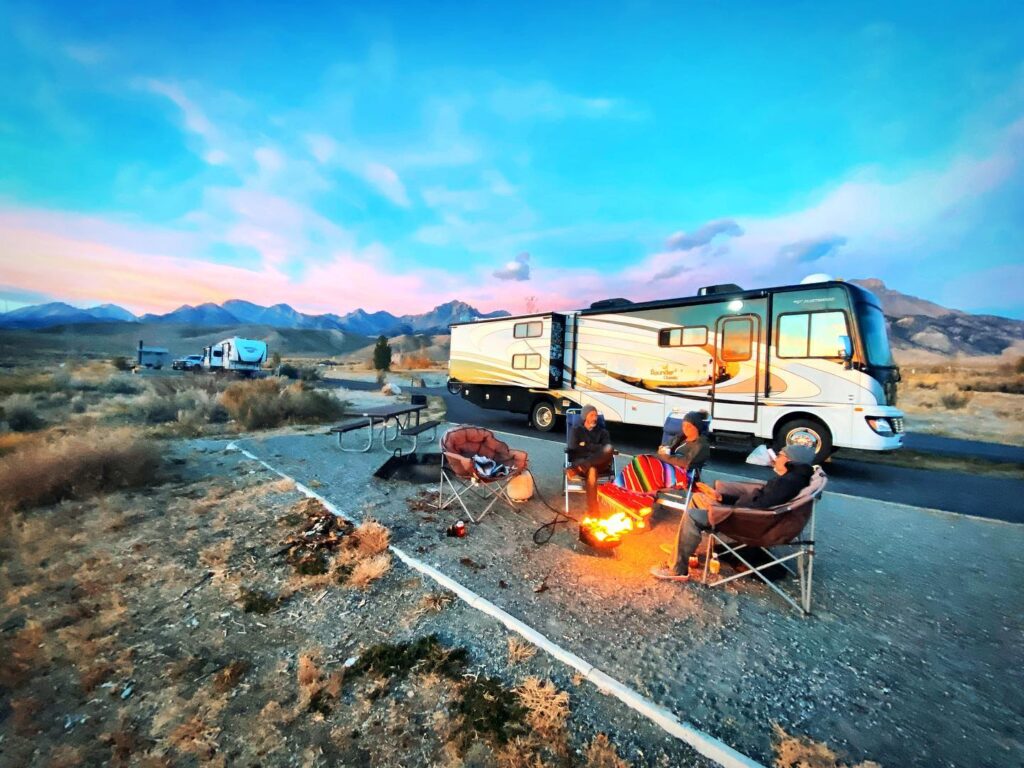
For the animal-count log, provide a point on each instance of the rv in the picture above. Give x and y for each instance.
(244, 356)
(805, 363)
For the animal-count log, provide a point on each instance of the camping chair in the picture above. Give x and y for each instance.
(668, 497)
(463, 474)
(740, 528)
(574, 416)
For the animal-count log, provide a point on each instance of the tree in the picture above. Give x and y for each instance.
(382, 354)
(275, 360)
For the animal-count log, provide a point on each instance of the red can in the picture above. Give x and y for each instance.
(694, 562)
(460, 529)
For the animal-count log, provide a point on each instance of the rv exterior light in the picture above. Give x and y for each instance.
(735, 305)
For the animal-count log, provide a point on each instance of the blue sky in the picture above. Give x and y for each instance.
(401, 156)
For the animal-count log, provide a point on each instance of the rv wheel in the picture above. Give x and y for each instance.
(543, 416)
(454, 386)
(806, 432)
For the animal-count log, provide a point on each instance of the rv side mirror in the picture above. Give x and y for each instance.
(845, 348)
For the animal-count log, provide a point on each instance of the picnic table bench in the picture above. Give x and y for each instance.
(349, 426)
(414, 431)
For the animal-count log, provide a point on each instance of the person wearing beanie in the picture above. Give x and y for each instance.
(691, 443)
(590, 452)
(793, 469)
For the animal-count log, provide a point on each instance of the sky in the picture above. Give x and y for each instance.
(518, 156)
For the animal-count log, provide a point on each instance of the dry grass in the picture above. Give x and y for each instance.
(547, 708)
(602, 754)
(801, 752)
(75, 467)
(266, 403)
(369, 570)
(970, 402)
(519, 651)
(373, 538)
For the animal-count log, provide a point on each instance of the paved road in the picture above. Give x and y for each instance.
(979, 496)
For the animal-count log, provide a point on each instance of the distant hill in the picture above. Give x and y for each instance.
(59, 313)
(238, 312)
(896, 304)
(923, 330)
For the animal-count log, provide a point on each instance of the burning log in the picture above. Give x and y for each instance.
(619, 512)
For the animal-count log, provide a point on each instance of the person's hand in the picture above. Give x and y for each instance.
(663, 450)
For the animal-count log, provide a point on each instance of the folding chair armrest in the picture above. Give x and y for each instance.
(460, 464)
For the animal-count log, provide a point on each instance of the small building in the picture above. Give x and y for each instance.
(152, 357)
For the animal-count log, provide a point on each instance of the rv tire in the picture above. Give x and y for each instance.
(806, 431)
(543, 416)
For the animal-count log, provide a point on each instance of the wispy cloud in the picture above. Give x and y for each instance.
(681, 241)
(806, 251)
(545, 101)
(517, 269)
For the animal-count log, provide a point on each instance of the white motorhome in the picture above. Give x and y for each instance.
(792, 364)
(245, 356)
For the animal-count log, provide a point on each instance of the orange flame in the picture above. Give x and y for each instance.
(609, 528)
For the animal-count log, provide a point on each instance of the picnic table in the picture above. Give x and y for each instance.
(382, 414)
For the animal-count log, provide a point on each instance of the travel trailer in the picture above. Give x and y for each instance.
(244, 356)
(805, 363)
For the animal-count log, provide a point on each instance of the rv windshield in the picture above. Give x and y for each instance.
(872, 331)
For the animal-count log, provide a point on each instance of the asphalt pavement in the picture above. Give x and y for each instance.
(994, 498)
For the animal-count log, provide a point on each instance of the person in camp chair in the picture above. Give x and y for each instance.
(590, 453)
(793, 469)
(690, 447)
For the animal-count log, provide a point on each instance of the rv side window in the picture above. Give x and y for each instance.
(218, 353)
(690, 336)
(526, 362)
(811, 334)
(737, 340)
(529, 330)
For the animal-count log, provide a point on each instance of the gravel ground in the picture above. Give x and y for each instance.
(126, 641)
(910, 658)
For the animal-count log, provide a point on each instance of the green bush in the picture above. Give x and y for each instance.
(121, 363)
(20, 414)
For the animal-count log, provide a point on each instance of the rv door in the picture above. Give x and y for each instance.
(736, 390)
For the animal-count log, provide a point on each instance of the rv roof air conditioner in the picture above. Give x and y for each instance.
(713, 290)
(610, 303)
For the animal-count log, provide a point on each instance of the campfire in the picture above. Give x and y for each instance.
(617, 515)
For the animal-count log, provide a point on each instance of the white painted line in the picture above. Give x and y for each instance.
(704, 743)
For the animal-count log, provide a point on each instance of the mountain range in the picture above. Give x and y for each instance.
(918, 329)
(238, 312)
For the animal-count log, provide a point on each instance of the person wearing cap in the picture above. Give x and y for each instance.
(691, 443)
(793, 469)
(590, 452)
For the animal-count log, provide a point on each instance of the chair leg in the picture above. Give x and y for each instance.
(442, 503)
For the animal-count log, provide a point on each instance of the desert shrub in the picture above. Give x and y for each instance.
(153, 408)
(288, 370)
(265, 403)
(120, 385)
(121, 363)
(25, 383)
(19, 412)
(954, 400)
(310, 373)
(1019, 367)
(75, 467)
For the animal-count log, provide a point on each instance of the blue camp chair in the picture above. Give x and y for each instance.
(672, 428)
(574, 416)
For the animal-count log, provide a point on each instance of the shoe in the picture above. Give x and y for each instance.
(664, 573)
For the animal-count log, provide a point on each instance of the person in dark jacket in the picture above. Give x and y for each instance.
(793, 471)
(690, 447)
(590, 452)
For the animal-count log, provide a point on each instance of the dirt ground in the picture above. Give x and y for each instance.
(908, 660)
(166, 627)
